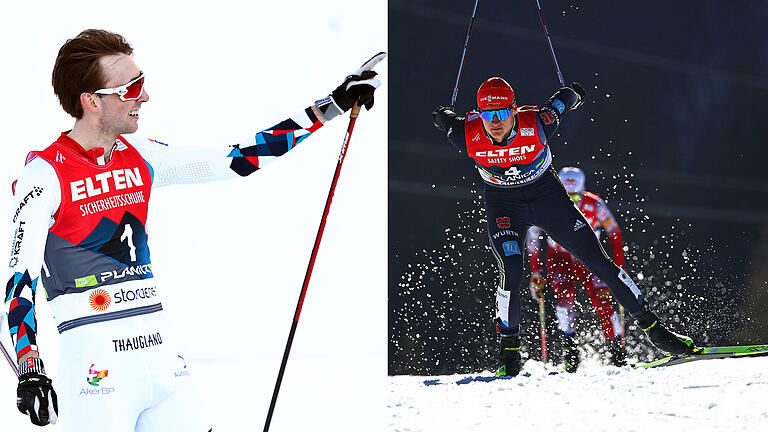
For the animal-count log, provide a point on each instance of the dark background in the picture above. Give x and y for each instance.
(672, 136)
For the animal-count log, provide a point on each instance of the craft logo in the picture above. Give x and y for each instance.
(526, 132)
(97, 375)
(35, 192)
(503, 222)
(18, 236)
(99, 300)
(59, 158)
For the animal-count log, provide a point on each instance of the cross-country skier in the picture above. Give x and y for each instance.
(79, 227)
(563, 270)
(510, 148)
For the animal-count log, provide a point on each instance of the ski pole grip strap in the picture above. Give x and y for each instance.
(32, 365)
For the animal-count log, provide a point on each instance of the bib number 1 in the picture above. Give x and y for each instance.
(128, 235)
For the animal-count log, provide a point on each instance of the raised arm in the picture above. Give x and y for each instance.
(564, 100)
(177, 165)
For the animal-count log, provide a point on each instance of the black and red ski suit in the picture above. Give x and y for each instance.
(522, 189)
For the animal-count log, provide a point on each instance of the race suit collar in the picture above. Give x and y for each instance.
(95, 155)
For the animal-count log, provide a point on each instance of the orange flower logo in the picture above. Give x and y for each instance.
(100, 300)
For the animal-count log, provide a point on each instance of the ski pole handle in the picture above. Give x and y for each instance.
(355, 111)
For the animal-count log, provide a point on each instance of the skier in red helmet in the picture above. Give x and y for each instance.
(510, 148)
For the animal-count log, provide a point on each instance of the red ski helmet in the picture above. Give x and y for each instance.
(495, 93)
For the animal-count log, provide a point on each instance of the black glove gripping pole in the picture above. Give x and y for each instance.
(352, 117)
(551, 49)
(464, 55)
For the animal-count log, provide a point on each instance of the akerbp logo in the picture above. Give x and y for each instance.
(98, 375)
(95, 379)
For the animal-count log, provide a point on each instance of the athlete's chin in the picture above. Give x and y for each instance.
(131, 128)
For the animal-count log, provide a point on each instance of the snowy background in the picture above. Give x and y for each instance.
(713, 395)
(233, 254)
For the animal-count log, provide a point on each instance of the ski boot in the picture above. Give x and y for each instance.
(662, 338)
(618, 354)
(509, 356)
(571, 358)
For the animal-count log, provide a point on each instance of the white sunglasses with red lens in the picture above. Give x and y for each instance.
(127, 92)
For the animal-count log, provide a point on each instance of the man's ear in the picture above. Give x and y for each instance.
(88, 101)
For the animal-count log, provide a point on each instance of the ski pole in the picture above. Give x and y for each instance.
(5, 352)
(464, 55)
(352, 118)
(621, 325)
(543, 328)
(551, 49)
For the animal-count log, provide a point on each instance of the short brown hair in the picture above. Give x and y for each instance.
(77, 69)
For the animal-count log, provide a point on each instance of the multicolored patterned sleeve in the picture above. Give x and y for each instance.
(184, 165)
(36, 198)
(266, 145)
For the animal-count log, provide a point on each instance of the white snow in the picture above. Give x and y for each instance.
(711, 395)
(234, 254)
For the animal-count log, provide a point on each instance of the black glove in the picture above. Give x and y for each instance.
(580, 92)
(359, 86)
(35, 395)
(440, 116)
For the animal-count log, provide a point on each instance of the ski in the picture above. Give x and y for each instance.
(707, 353)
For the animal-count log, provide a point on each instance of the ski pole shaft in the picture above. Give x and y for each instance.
(464, 55)
(551, 48)
(352, 118)
(7, 356)
(622, 325)
(543, 328)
